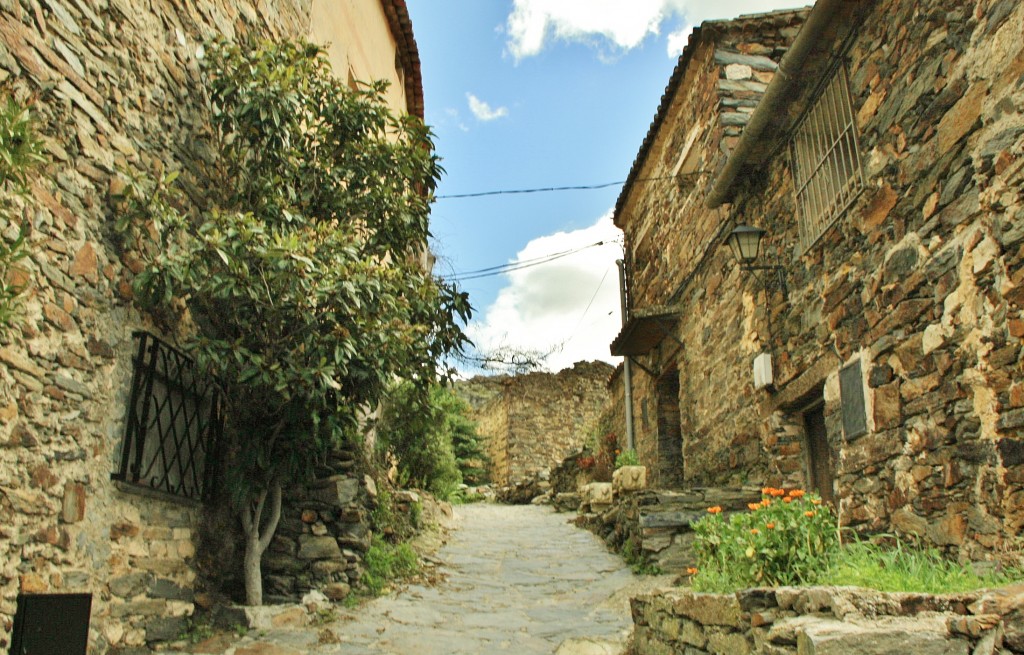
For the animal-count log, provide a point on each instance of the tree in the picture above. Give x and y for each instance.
(299, 267)
(431, 435)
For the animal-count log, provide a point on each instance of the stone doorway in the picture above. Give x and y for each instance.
(820, 474)
(670, 434)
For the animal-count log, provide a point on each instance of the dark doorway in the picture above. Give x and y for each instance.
(670, 435)
(819, 454)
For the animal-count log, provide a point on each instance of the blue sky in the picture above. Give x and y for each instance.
(528, 94)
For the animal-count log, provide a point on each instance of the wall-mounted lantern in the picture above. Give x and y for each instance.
(745, 243)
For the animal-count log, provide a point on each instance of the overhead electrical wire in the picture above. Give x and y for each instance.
(582, 187)
(520, 265)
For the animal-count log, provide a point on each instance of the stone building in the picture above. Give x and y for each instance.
(115, 85)
(872, 351)
(531, 422)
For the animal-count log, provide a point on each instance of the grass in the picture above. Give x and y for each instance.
(902, 568)
(892, 567)
(636, 561)
(386, 562)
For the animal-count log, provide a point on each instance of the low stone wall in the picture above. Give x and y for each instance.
(657, 522)
(828, 620)
(323, 536)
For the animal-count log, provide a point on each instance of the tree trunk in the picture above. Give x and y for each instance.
(253, 572)
(256, 542)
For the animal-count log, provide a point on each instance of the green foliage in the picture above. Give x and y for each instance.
(796, 543)
(385, 562)
(20, 152)
(636, 560)
(627, 458)
(196, 630)
(428, 432)
(892, 565)
(788, 538)
(301, 269)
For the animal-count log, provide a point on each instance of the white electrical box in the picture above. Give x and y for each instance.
(763, 371)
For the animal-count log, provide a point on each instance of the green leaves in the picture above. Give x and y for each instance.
(20, 152)
(299, 269)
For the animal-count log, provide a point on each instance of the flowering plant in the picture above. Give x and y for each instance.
(786, 538)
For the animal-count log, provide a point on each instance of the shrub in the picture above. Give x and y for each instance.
(788, 538)
(429, 434)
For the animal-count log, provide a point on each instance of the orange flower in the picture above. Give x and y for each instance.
(815, 501)
(767, 491)
(690, 570)
(753, 506)
(809, 513)
(797, 493)
(778, 492)
(766, 502)
(770, 526)
(755, 531)
(715, 510)
(787, 499)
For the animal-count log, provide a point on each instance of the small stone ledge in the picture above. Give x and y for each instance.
(829, 620)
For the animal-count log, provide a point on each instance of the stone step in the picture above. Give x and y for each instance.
(919, 635)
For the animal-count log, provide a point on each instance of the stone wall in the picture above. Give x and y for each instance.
(919, 282)
(656, 523)
(531, 422)
(719, 80)
(828, 620)
(114, 86)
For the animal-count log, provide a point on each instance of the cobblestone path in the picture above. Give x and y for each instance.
(519, 579)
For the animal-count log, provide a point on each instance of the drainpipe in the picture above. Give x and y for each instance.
(778, 92)
(627, 367)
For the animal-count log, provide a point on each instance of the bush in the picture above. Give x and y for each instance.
(788, 538)
(429, 434)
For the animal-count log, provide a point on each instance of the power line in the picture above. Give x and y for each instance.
(520, 265)
(582, 187)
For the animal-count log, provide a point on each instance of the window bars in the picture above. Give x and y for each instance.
(826, 160)
(174, 424)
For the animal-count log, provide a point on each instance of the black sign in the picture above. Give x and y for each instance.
(851, 393)
(51, 624)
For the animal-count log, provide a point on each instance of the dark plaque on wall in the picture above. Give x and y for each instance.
(51, 624)
(851, 393)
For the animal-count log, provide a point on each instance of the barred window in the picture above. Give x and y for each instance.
(826, 160)
(173, 426)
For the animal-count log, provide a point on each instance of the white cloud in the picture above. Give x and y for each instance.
(568, 307)
(534, 23)
(677, 41)
(484, 111)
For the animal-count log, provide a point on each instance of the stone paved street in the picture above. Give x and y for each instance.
(520, 579)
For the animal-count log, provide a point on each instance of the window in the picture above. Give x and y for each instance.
(826, 160)
(173, 425)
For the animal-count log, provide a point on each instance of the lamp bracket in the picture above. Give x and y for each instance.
(776, 281)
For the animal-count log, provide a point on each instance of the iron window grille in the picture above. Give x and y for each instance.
(174, 424)
(826, 160)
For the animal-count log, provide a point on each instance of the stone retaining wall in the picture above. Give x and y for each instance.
(828, 620)
(530, 422)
